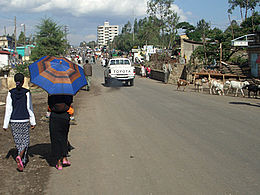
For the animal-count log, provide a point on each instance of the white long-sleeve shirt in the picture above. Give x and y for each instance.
(9, 110)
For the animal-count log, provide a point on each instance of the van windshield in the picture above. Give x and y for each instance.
(116, 62)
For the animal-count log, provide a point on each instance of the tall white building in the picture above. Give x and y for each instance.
(106, 33)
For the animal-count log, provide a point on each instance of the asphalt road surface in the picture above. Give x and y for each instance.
(151, 139)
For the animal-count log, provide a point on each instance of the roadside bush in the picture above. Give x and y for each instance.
(22, 68)
(239, 60)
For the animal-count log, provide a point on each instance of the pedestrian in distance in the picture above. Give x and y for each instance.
(88, 73)
(142, 70)
(148, 69)
(104, 62)
(19, 114)
(59, 128)
(79, 63)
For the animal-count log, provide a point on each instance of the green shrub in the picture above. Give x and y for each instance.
(22, 68)
(239, 60)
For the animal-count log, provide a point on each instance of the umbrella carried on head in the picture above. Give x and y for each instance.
(57, 75)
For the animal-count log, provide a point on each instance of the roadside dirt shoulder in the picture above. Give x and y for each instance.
(36, 174)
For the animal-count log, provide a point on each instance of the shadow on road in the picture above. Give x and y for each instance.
(245, 103)
(43, 150)
(115, 84)
(12, 152)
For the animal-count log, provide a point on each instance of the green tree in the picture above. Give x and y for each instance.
(21, 38)
(161, 9)
(149, 32)
(146, 32)
(123, 42)
(92, 44)
(127, 28)
(244, 6)
(250, 24)
(136, 29)
(187, 27)
(50, 40)
(200, 34)
(83, 44)
(171, 28)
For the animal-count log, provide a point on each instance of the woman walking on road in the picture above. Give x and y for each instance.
(59, 128)
(19, 113)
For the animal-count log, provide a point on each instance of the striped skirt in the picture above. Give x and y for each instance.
(21, 135)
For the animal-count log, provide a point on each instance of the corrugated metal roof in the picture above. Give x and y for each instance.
(5, 52)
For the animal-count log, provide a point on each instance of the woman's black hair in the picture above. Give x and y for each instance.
(19, 79)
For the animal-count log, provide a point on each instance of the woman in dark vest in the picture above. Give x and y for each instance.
(59, 128)
(19, 114)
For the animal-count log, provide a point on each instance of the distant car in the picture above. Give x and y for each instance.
(119, 69)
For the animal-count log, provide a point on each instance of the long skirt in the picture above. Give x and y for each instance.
(21, 135)
(59, 129)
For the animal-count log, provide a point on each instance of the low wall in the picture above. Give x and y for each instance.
(158, 75)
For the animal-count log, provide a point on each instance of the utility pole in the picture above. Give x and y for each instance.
(133, 26)
(66, 30)
(24, 34)
(133, 34)
(5, 30)
(15, 43)
(220, 56)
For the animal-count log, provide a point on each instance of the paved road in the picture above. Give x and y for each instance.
(152, 139)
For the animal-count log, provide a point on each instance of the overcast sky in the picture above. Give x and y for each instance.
(83, 16)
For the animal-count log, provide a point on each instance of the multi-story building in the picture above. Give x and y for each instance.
(106, 33)
(6, 42)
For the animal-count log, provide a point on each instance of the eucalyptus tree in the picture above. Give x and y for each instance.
(244, 6)
(127, 28)
(124, 41)
(251, 24)
(161, 9)
(149, 32)
(171, 28)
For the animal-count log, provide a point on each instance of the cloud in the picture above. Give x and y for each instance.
(78, 7)
(81, 8)
(82, 16)
(180, 12)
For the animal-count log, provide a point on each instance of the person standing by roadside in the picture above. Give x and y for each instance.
(88, 73)
(19, 114)
(167, 68)
(59, 128)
